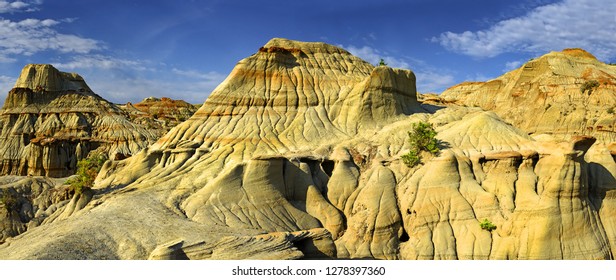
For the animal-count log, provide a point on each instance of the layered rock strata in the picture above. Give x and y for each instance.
(159, 114)
(51, 119)
(563, 94)
(297, 154)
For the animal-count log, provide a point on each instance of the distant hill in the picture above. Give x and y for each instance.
(160, 114)
(561, 93)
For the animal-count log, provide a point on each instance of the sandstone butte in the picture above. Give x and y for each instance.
(51, 119)
(297, 155)
(552, 94)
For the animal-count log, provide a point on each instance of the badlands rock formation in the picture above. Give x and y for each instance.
(28, 201)
(160, 114)
(51, 119)
(297, 155)
(553, 94)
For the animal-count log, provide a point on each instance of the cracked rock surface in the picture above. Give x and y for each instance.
(297, 155)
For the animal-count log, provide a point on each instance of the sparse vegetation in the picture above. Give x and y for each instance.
(610, 110)
(421, 138)
(487, 225)
(411, 158)
(589, 86)
(180, 118)
(87, 169)
(382, 63)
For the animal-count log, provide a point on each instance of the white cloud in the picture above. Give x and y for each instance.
(115, 79)
(6, 84)
(373, 56)
(123, 90)
(101, 62)
(429, 79)
(512, 65)
(588, 24)
(30, 36)
(209, 76)
(123, 80)
(14, 6)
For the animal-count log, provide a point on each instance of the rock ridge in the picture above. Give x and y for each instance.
(563, 94)
(51, 119)
(298, 154)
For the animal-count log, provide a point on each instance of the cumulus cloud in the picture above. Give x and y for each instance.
(116, 79)
(588, 24)
(14, 6)
(431, 81)
(6, 83)
(30, 36)
(373, 56)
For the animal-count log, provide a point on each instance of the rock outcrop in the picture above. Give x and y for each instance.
(51, 119)
(297, 154)
(160, 114)
(561, 93)
(28, 201)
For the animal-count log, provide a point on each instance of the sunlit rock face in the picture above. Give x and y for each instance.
(563, 94)
(159, 115)
(297, 155)
(51, 119)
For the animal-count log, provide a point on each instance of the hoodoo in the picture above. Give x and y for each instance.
(297, 154)
(51, 119)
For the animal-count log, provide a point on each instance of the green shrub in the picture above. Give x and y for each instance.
(382, 62)
(610, 110)
(421, 138)
(411, 159)
(589, 86)
(87, 169)
(487, 225)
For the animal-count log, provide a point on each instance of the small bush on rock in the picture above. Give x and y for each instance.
(421, 138)
(87, 170)
(589, 86)
(411, 158)
(487, 225)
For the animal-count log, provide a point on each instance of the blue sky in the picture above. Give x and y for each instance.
(131, 49)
